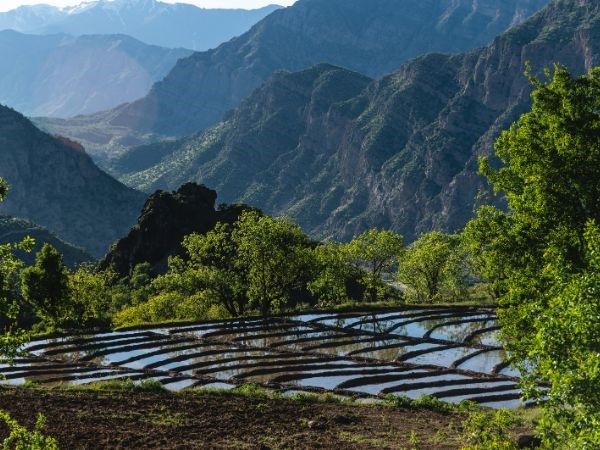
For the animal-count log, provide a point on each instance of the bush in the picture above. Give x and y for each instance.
(490, 431)
(20, 438)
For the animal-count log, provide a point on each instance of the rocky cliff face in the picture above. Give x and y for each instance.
(62, 76)
(166, 219)
(373, 37)
(344, 154)
(56, 185)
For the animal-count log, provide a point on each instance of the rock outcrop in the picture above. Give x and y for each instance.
(167, 217)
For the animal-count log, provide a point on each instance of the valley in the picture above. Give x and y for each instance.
(322, 224)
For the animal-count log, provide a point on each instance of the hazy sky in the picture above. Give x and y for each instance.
(5, 5)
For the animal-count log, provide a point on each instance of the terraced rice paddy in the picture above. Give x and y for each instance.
(451, 353)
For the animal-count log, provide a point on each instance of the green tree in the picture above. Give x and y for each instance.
(565, 350)
(45, 285)
(12, 338)
(434, 268)
(333, 273)
(543, 252)
(89, 297)
(276, 256)
(375, 252)
(214, 254)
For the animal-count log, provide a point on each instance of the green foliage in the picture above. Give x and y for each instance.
(541, 255)
(251, 390)
(276, 256)
(427, 402)
(375, 252)
(565, 351)
(214, 256)
(12, 338)
(434, 268)
(123, 385)
(20, 438)
(330, 286)
(46, 286)
(260, 264)
(89, 297)
(486, 430)
(3, 189)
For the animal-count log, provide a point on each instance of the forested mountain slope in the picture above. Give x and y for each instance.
(55, 184)
(14, 230)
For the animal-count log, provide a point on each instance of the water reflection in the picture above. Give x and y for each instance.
(369, 353)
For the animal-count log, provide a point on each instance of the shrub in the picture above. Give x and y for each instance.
(490, 431)
(20, 438)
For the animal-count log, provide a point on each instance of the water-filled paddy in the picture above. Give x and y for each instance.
(449, 352)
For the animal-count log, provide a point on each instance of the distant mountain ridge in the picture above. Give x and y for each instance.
(150, 21)
(341, 153)
(373, 37)
(63, 76)
(14, 230)
(55, 184)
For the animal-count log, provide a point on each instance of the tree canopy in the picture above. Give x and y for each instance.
(434, 268)
(542, 252)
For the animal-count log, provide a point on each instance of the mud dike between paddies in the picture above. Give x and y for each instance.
(449, 352)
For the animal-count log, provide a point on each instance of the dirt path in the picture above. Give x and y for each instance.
(119, 420)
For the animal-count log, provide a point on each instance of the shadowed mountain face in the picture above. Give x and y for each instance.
(341, 153)
(151, 21)
(14, 230)
(55, 184)
(373, 37)
(62, 76)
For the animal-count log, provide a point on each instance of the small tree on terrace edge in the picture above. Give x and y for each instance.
(45, 285)
(433, 267)
(276, 256)
(11, 338)
(375, 252)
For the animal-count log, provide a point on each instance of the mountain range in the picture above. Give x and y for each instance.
(150, 21)
(55, 184)
(340, 152)
(62, 76)
(373, 37)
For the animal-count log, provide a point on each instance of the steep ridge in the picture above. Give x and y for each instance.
(150, 21)
(14, 230)
(62, 76)
(55, 184)
(401, 153)
(373, 37)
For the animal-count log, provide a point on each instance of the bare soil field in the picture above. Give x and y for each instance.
(163, 420)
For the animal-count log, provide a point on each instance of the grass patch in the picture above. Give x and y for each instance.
(166, 418)
(429, 403)
(325, 397)
(122, 385)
